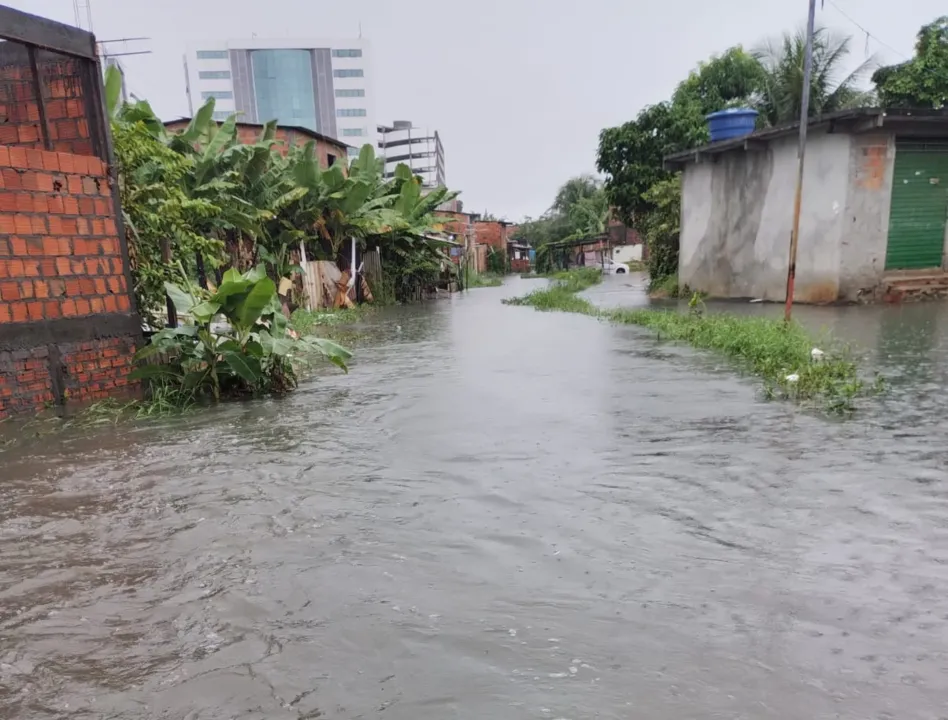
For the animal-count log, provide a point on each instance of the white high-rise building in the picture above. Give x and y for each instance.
(322, 85)
(418, 148)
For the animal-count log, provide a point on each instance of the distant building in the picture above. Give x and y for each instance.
(418, 148)
(322, 85)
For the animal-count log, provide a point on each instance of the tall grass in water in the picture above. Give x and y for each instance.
(778, 352)
(560, 294)
(485, 279)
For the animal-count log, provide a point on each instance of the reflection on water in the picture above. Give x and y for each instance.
(498, 513)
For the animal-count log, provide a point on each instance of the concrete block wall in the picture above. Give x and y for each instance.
(737, 213)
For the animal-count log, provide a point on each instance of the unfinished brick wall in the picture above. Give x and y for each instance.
(31, 379)
(64, 103)
(59, 249)
(68, 330)
(249, 133)
(60, 259)
(490, 232)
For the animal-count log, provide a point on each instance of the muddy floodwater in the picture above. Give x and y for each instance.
(497, 514)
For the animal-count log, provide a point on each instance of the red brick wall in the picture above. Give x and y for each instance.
(91, 370)
(620, 234)
(59, 249)
(250, 133)
(64, 103)
(454, 222)
(323, 149)
(60, 259)
(491, 233)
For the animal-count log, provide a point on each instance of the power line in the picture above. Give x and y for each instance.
(932, 71)
(868, 34)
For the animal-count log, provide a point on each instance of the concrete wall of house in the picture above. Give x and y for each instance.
(866, 217)
(737, 211)
(627, 253)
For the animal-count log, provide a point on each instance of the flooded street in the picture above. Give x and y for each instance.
(497, 514)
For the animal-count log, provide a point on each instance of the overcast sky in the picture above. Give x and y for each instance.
(518, 89)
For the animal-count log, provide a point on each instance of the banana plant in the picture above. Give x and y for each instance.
(250, 352)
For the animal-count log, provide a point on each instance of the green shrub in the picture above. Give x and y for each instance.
(662, 227)
(496, 261)
(250, 352)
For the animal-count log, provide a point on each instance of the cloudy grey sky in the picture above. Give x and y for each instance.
(519, 89)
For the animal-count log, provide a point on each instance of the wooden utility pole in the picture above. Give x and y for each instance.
(801, 154)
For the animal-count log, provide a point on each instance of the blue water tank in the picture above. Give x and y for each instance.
(729, 124)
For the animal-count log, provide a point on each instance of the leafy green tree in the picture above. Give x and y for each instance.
(733, 79)
(631, 155)
(580, 208)
(782, 61)
(921, 82)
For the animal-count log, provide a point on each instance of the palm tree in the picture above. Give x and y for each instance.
(782, 94)
(574, 190)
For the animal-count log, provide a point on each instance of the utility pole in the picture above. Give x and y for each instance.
(801, 154)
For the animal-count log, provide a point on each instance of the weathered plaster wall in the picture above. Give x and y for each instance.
(737, 212)
(866, 218)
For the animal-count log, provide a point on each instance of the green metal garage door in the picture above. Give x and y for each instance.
(919, 206)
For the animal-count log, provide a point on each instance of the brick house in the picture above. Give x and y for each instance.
(68, 326)
(493, 233)
(328, 150)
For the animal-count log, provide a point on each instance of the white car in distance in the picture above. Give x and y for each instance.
(611, 267)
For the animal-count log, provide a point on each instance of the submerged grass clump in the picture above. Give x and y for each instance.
(485, 279)
(305, 322)
(780, 353)
(561, 293)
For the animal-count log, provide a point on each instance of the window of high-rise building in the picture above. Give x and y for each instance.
(214, 74)
(346, 92)
(212, 55)
(221, 115)
(345, 73)
(283, 86)
(346, 53)
(353, 132)
(350, 112)
(217, 95)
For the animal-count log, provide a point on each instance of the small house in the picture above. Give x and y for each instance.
(328, 150)
(874, 207)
